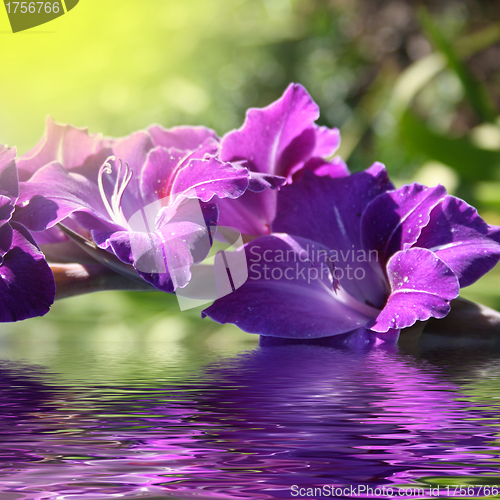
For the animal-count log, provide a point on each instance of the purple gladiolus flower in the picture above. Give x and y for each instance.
(27, 285)
(147, 198)
(282, 140)
(357, 259)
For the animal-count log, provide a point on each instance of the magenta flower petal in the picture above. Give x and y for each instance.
(393, 221)
(327, 141)
(461, 238)
(145, 173)
(422, 286)
(268, 132)
(209, 178)
(183, 244)
(280, 139)
(160, 166)
(251, 214)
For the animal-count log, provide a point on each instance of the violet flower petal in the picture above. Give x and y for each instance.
(163, 165)
(422, 286)
(288, 300)
(27, 285)
(329, 211)
(461, 238)
(393, 221)
(52, 194)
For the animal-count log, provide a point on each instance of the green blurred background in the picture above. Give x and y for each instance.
(415, 85)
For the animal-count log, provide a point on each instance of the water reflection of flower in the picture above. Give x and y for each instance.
(251, 426)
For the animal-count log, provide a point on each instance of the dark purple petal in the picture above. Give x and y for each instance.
(117, 242)
(393, 221)
(296, 153)
(265, 139)
(68, 145)
(5, 239)
(329, 211)
(360, 338)
(422, 286)
(461, 238)
(27, 287)
(289, 293)
(182, 138)
(9, 191)
(209, 178)
(52, 194)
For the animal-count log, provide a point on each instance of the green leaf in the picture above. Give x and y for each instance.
(474, 90)
(471, 163)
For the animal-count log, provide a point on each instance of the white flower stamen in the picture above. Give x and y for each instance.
(123, 177)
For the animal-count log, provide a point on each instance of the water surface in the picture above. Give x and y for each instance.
(151, 419)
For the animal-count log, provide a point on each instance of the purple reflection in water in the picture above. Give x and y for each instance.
(248, 427)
